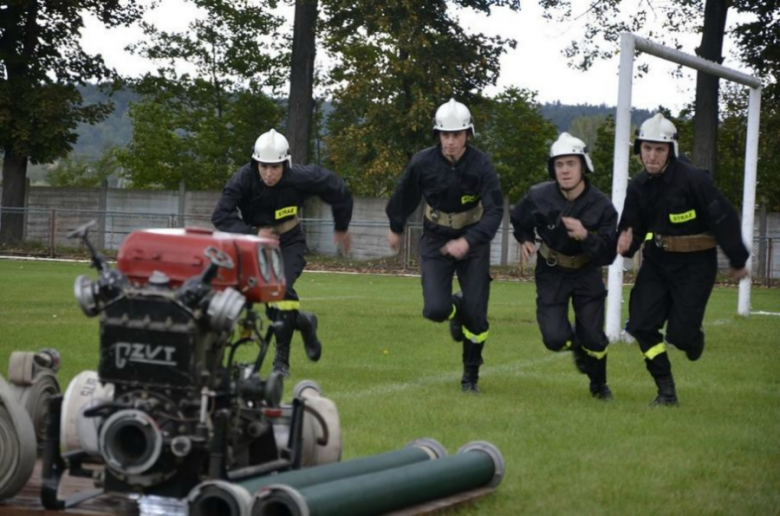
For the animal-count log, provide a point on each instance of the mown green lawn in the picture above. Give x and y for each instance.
(395, 377)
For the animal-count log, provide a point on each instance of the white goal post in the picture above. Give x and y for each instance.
(629, 43)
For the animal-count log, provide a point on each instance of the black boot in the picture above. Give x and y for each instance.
(283, 331)
(306, 323)
(667, 396)
(580, 358)
(598, 378)
(660, 368)
(694, 352)
(282, 359)
(456, 324)
(472, 359)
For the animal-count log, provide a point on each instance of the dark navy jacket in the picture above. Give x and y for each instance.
(451, 189)
(247, 203)
(682, 201)
(543, 207)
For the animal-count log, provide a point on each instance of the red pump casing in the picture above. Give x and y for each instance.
(180, 255)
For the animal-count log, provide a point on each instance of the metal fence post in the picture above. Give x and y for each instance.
(52, 233)
(26, 208)
(102, 207)
(505, 233)
(182, 201)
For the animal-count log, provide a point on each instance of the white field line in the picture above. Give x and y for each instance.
(761, 312)
(511, 369)
(35, 259)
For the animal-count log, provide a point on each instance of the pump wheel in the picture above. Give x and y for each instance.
(218, 257)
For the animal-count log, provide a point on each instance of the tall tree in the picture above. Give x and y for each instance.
(608, 18)
(41, 62)
(705, 121)
(396, 62)
(602, 153)
(198, 126)
(518, 139)
(731, 150)
(301, 102)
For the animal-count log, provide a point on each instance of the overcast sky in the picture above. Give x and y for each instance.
(536, 64)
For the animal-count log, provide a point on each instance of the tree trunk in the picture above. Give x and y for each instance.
(705, 122)
(12, 218)
(299, 121)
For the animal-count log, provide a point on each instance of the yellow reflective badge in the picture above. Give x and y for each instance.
(469, 198)
(679, 218)
(286, 212)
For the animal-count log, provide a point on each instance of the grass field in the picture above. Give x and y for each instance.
(395, 377)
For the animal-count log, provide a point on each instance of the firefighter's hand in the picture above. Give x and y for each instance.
(343, 239)
(527, 249)
(458, 248)
(267, 233)
(394, 239)
(624, 241)
(738, 274)
(574, 228)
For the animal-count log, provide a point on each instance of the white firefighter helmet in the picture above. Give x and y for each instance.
(568, 145)
(272, 147)
(453, 116)
(657, 129)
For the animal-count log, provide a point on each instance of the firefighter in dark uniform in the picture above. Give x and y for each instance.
(263, 198)
(679, 214)
(462, 214)
(576, 224)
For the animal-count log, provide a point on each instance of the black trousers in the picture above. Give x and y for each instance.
(474, 278)
(555, 287)
(293, 246)
(671, 289)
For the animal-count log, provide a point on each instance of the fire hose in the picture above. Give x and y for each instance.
(33, 378)
(18, 446)
(24, 405)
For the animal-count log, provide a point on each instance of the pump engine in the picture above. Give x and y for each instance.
(173, 407)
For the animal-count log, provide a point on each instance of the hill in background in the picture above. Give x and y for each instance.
(116, 130)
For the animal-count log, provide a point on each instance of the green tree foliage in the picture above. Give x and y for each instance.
(607, 19)
(586, 128)
(562, 115)
(603, 153)
(83, 171)
(199, 127)
(397, 61)
(518, 139)
(759, 43)
(41, 62)
(731, 149)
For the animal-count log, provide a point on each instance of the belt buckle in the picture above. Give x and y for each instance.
(434, 215)
(660, 241)
(552, 260)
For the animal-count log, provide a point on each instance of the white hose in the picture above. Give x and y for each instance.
(17, 444)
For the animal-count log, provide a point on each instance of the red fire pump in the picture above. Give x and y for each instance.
(177, 408)
(179, 254)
